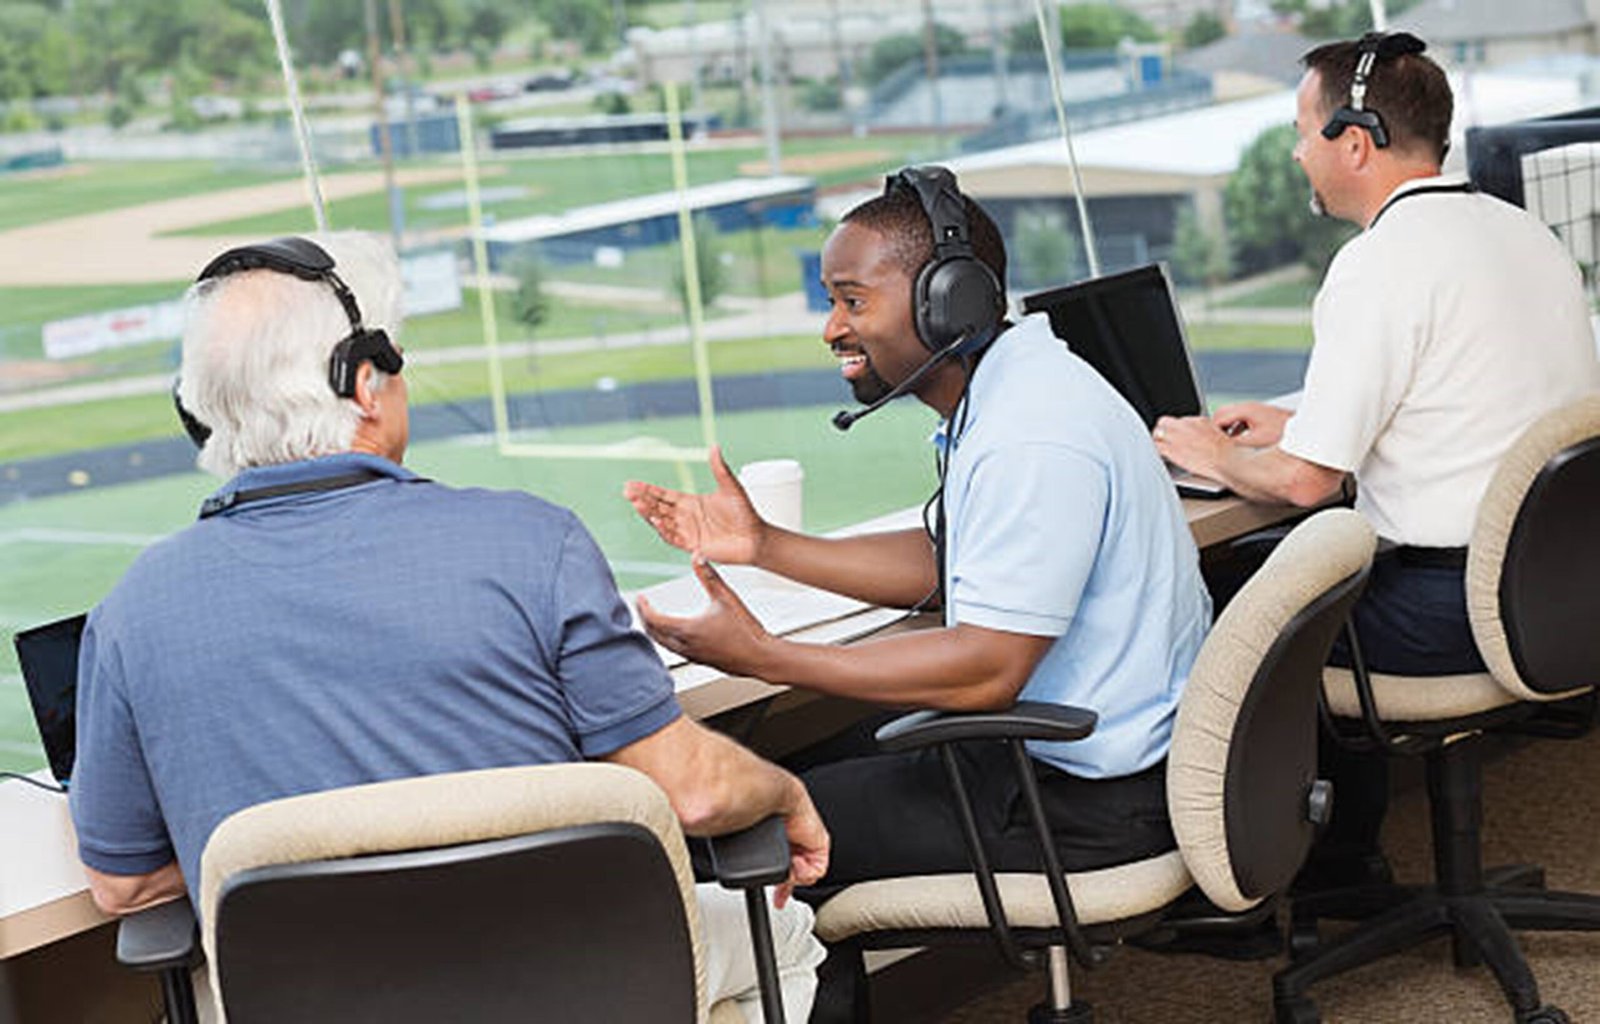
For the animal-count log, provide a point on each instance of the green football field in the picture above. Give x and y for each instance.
(62, 554)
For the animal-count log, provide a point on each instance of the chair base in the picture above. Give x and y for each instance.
(1078, 1013)
(1480, 925)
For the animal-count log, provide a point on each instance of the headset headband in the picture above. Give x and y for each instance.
(955, 300)
(301, 257)
(936, 189)
(1372, 47)
(308, 261)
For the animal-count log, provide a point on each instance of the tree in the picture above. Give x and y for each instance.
(33, 52)
(1197, 255)
(1045, 248)
(530, 303)
(1093, 26)
(587, 21)
(1267, 212)
(1203, 28)
(1342, 20)
(186, 82)
(708, 265)
(891, 53)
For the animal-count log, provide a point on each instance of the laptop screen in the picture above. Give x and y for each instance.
(49, 658)
(1126, 326)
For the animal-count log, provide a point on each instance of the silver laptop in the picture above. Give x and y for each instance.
(1127, 326)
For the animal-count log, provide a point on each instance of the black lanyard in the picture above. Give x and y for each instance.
(1464, 188)
(219, 503)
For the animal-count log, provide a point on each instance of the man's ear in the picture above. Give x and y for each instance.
(366, 394)
(1358, 147)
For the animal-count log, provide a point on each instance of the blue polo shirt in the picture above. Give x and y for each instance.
(316, 640)
(1064, 523)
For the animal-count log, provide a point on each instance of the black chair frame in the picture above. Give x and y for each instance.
(1477, 907)
(1031, 948)
(166, 939)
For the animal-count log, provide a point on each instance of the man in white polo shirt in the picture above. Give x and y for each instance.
(1441, 332)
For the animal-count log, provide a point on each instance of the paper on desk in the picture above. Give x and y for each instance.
(781, 606)
(687, 677)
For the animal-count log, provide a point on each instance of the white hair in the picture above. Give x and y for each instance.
(255, 355)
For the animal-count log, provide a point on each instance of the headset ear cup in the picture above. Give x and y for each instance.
(928, 323)
(956, 297)
(198, 432)
(342, 368)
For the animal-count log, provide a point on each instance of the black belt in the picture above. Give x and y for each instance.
(1428, 558)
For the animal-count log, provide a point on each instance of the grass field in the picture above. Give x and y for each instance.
(93, 187)
(1283, 295)
(1231, 337)
(62, 554)
(52, 430)
(556, 183)
(30, 433)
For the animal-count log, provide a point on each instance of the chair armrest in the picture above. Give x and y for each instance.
(758, 855)
(160, 938)
(1025, 720)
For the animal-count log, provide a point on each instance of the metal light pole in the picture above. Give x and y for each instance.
(397, 37)
(930, 63)
(375, 59)
(769, 97)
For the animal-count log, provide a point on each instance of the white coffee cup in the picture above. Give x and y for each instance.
(774, 487)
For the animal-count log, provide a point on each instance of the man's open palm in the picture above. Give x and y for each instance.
(722, 526)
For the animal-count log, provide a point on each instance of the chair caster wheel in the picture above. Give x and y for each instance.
(1303, 939)
(1544, 1015)
(1295, 1010)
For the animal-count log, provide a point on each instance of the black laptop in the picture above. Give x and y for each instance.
(49, 658)
(1126, 325)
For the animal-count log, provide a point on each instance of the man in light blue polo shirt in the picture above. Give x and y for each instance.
(1069, 576)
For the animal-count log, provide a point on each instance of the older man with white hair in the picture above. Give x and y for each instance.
(333, 619)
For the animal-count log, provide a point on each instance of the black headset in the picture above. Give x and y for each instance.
(308, 261)
(956, 297)
(956, 301)
(1373, 47)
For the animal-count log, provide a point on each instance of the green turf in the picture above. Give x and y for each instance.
(1226, 337)
(52, 430)
(1283, 295)
(761, 262)
(82, 188)
(38, 304)
(565, 318)
(556, 184)
(879, 467)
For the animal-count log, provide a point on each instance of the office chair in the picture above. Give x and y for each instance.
(1240, 783)
(1533, 596)
(557, 892)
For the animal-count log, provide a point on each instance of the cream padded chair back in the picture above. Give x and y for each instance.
(1533, 567)
(1243, 755)
(443, 811)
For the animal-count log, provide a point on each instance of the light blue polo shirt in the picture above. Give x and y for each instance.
(1063, 522)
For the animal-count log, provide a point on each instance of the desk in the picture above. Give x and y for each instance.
(43, 894)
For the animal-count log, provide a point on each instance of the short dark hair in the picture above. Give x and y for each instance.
(899, 218)
(1409, 91)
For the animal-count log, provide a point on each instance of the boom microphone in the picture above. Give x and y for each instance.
(844, 419)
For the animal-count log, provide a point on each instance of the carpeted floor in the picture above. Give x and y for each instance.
(1542, 805)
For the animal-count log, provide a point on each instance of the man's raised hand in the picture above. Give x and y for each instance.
(722, 526)
(726, 635)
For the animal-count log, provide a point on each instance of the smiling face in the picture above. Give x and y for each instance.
(870, 327)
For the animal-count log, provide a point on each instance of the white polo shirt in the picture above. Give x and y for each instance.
(1442, 332)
